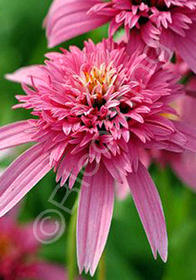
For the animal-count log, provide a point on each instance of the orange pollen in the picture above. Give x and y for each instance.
(98, 81)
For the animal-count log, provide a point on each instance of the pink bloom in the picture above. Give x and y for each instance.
(184, 164)
(165, 24)
(96, 107)
(18, 253)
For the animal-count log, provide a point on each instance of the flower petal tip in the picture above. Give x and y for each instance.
(8, 77)
(164, 256)
(51, 44)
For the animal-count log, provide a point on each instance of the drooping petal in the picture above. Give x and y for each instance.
(186, 46)
(188, 107)
(150, 210)
(67, 19)
(15, 134)
(94, 217)
(21, 176)
(166, 44)
(135, 44)
(190, 133)
(185, 165)
(70, 166)
(25, 74)
(122, 190)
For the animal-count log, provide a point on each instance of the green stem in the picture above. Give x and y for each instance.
(72, 246)
(101, 269)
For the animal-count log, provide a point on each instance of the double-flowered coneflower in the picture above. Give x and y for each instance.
(19, 252)
(166, 25)
(95, 109)
(183, 164)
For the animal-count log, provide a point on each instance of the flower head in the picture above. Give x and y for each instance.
(167, 25)
(96, 108)
(18, 253)
(184, 163)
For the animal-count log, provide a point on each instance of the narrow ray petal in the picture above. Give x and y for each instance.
(94, 217)
(25, 74)
(21, 176)
(122, 190)
(150, 210)
(15, 134)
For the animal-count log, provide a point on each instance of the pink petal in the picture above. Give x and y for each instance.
(188, 104)
(67, 19)
(15, 134)
(150, 210)
(166, 44)
(191, 87)
(68, 167)
(186, 46)
(25, 74)
(94, 217)
(135, 44)
(190, 133)
(21, 176)
(185, 166)
(122, 189)
(46, 271)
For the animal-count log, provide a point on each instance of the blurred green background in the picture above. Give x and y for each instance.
(127, 254)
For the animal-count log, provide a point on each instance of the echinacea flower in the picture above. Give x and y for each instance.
(184, 164)
(18, 253)
(168, 25)
(96, 108)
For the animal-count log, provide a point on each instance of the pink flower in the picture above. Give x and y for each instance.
(96, 107)
(164, 24)
(18, 253)
(184, 165)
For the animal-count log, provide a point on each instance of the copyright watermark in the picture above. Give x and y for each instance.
(48, 229)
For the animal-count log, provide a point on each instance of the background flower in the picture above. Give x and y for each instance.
(18, 252)
(184, 165)
(165, 25)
